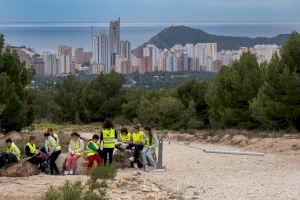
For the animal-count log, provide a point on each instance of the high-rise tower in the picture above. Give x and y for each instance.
(114, 41)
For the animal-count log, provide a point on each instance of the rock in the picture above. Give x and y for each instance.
(21, 169)
(81, 165)
(238, 139)
(121, 158)
(13, 135)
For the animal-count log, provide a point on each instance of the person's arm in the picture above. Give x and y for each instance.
(27, 151)
(101, 139)
(46, 146)
(71, 144)
(81, 146)
(155, 144)
(18, 152)
(92, 147)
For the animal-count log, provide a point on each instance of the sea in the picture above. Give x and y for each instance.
(47, 36)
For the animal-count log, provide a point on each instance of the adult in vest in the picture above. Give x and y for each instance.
(92, 150)
(53, 150)
(53, 134)
(108, 138)
(76, 149)
(150, 146)
(33, 155)
(13, 149)
(137, 138)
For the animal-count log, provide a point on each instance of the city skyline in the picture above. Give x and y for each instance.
(144, 11)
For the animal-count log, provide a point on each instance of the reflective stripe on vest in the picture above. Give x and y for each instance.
(138, 137)
(108, 138)
(14, 150)
(125, 137)
(89, 151)
(32, 148)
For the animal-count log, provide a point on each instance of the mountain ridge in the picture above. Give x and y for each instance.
(172, 35)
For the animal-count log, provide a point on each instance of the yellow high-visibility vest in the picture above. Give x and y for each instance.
(109, 138)
(89, 151)
(125, 137)
(52, 140)
(138, 137)
(14, 150)
(32, 148)
(76, 147)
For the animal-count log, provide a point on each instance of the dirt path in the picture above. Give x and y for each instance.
(197, 175)
(191, 174)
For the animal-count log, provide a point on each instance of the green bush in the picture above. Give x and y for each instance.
(94, 189)
(69, 191)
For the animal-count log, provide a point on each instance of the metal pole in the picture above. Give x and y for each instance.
(160, 154)
(233, 152)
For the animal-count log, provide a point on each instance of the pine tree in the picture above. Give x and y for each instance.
(277, 105)
(229, 94)
(16, 111)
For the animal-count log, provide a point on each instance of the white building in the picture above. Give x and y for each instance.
(154, 53)
(51, 63)
(101, 51)
(125, 49)
(205, 54)
(64, 57)
(114, 41)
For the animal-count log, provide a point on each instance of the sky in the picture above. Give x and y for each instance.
(142, 11)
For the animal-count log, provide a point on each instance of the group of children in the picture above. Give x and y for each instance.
(100, 148)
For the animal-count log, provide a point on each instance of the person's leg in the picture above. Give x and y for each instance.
(69, 162)
(90, 161)
(144, 154)
(53, 158)
(149, 155)
(111, 151)
(74, 161)
(97, 158)
(105, 152)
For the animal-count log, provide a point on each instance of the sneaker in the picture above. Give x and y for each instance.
(71, 172)
(66, 172)
(131, 158)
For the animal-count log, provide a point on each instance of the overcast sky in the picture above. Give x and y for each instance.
(149, 10)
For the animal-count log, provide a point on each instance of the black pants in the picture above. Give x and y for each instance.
(136, 155)
(53, 158)
(104, 155)
(35, 160)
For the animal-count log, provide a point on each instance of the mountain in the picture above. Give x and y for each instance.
(183, 35)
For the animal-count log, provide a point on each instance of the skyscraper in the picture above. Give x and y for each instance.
(125, 49)
(101, 51)
(64, 59)
(114, 41)
(50, 63)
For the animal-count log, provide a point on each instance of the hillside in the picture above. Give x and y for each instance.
(183, 35)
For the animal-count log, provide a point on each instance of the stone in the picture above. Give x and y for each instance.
(20, 169)
(121, 158)
(81, 165)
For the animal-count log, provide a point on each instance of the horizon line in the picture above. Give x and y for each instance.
(128, 24)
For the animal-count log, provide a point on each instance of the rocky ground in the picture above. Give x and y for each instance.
(192, 174)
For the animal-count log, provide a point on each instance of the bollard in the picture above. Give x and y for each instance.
(160, 154)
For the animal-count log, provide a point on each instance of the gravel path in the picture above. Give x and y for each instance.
(190, 174)
(197, 175)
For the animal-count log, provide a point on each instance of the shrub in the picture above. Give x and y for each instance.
(94, 189)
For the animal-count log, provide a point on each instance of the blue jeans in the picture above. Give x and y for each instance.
(148, 156)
